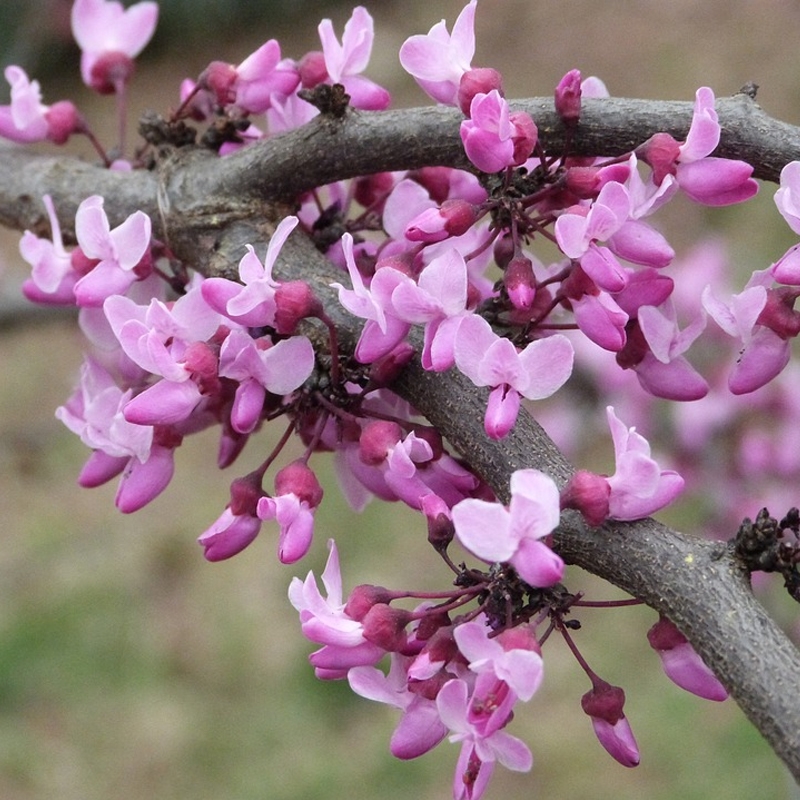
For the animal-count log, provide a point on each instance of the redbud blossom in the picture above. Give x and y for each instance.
(681, 663)
(603, 703)
(110, 37)
(568, 98)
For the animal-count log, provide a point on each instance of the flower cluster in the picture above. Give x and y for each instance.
(439, 260)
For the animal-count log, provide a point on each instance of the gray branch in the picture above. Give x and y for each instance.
(207, 209)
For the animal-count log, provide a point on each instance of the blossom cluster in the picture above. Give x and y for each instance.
(449, 254)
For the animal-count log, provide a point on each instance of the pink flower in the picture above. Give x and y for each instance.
(52, 278)
(495, 533)
(255, 84)
(519, 667)
(110, 37)
(254, 303)
(493, 137)
(420, 728)
(479, 751)
(489, 360)
(437, 60)
(384, 329)
(229, 535)
(117, 251)
(787, 197)
(681, 663)
(297, 495)
(28, 120)
(324, 620)
(639, 487)
(344, 62)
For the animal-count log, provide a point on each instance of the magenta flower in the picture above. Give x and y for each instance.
(493, 137)
(489, 360)
(787, 197)
(28, 120)
(344, 62)
(110, 37)
(420, 727)
(117, 251)
(681, 663)
(479, 752)
(297, 495)
(229, 535)
(639, 487)
(255, 84)
(384, 329)
(495, 533)
(324, 620)
(437, 60)
(519, 667)
(52, 278)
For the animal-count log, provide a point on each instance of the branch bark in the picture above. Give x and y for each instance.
(207, 209)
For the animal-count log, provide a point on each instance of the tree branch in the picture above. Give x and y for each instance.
(207, 209)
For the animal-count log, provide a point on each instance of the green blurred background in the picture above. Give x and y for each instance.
(131, 668)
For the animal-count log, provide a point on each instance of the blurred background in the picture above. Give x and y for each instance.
(131, 668)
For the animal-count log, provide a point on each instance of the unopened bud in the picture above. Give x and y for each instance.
(384, 626)
(589, 493)
(480, 80)
(362, 598)
(568, 98)
(299, 479)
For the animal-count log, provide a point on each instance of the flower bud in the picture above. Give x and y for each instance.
(219, 79)
(312, 69)
(299, 479)
(661, 152)
(520, 282)
(376, 439)
(480, 80)
(589, 493)
(384, 626)
(603, 703)
(681, 663)
(294, 301)
(568, 98)
(362, 598)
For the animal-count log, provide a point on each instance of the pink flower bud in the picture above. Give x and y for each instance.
(477, 81)
(372, 190)
(681, 663)
(294, 301)
(520, 282)
(589, 493)
(384, 626)
(568, 98)
(312, 69)
(603, 703)
(524, 137)
(440, 525)
(245, 494)
(219, 79)
(110, 72)
(63, 120)
(661, 152)
(299, 479)
(386, 369)
(376, 439)
(362, 598)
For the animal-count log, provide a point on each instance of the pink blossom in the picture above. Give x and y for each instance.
(495, 533)
(681, 663)
(489, 360)
(787, 197)
(479, 752)
(28, 120)
(437, 60)
(110, 37)
(254, 303)
(324, 620)
(297, 495)
(52, 278)
(639, 487)
(344, 62)
(493, 137)
(438, 299)
(255, 84)
(420, 727)
(384, 329)
(519, 667)
(229, 535)
(117, 251)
